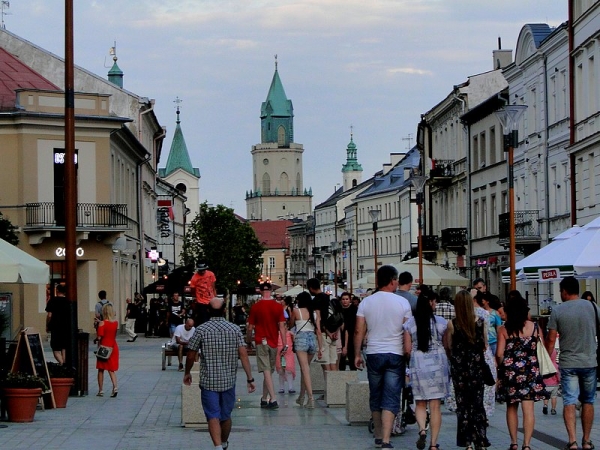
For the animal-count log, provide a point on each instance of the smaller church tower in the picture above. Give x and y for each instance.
(179, 170)
(351, 170)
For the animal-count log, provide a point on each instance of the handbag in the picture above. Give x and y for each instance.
(547, 369)
(104, 352)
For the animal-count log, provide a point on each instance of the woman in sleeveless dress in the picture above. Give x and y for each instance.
(307, 342)
(107, 336)
(429, 370)
(466, 341)
(520, 378)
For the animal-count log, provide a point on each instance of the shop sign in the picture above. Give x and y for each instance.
(60, 252)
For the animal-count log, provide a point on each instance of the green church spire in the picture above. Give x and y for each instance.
(352, 164)
(179, 158)
(277, 114)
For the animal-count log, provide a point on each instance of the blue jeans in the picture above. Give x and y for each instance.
(386, 373)
(578, 384)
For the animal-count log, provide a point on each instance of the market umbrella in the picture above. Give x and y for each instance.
(293, 291)
(16, 266)
(433, 274)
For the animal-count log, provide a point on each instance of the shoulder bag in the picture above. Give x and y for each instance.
(547, 369)
(104, 352)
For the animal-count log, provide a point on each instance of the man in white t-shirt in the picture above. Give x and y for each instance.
(182, 335)
(382, 315)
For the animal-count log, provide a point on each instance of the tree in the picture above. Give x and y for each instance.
(228, 245)
(8, 231)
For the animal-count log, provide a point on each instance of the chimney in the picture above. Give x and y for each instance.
(501, 58)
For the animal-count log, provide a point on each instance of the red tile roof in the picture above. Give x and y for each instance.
(16, 75)
(272, 233)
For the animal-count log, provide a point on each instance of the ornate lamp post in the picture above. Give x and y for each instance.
(334, 252)
(374, 213)
(349, 235)
(509, 118)
(418, 181)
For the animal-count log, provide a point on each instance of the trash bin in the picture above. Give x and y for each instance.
(83, 348)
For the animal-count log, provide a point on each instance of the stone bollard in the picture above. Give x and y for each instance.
(192, 414)
(317, 378)
(357, 402)
(335, 387)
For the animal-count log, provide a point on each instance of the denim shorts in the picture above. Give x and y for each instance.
(386, 379)
(306, 341)
(578, 384)
(218, 405)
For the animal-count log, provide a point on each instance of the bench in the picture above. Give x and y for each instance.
(167, 351)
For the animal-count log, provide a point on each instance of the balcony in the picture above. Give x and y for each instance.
(96, 216)
(527, 231)
(442, 172)
(454, 238)
(430, 244)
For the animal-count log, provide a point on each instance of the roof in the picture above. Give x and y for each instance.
(16, 75)
(539, 31)
(179, 157)
(277, 103)
(394, 179)
(272, 233)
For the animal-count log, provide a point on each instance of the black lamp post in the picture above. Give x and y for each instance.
(418, 181)
(374, 213)
(349, 235)
(334, 252)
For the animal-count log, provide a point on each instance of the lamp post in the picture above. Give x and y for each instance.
(334, 251)
(374, 213)
(418, 181)
(509, 118)
(349, 235)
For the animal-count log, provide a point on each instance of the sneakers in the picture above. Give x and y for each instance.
(292, 391)
(180, 369)
(378, 443)
(553, 411)
(225, 445)
(545, 410)
(281, 391)
(386, 445)
(263, 403)
(272, 405)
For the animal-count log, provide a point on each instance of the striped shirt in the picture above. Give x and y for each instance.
(218, 342)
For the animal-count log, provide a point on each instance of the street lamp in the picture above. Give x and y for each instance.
(334, 250)
(349, 235)
(418, 181)
(374, 213)
(509, 118)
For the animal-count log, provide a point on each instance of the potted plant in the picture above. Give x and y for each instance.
(62, 378)
(21, 392)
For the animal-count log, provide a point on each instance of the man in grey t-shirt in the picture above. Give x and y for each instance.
(575, 321)
(405, 280)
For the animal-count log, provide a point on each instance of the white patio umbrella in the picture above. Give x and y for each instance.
(433, 275)
(16, 266)
(293, 291)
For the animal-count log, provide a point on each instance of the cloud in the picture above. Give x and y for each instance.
(408, 71)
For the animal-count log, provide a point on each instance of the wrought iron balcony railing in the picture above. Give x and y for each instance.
(442, 172)
(527, 231)
(90, 215)
(430, 243)
(454, 237)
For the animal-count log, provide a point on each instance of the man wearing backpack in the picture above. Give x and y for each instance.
(331, 320)
(98, 310)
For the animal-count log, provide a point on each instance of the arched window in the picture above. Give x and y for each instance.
(298, 184)
(354, 182)
(266, 184)
(281, 136)
(284, 183)
(181, 187)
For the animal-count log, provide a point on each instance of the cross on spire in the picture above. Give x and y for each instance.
(177, 101)
(275, 61)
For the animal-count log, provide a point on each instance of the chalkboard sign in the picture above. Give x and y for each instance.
(29, 358)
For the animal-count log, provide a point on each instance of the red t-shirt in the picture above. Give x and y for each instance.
(203, 286)
(265, 316)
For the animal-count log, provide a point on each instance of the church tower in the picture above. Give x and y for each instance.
(179, 170)
(352, 170)
(278, 190)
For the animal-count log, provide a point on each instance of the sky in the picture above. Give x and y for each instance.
(373, 65)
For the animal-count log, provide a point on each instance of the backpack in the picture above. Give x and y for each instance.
(335, 318)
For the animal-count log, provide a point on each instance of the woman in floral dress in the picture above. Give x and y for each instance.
(466, 341)
(519, 370)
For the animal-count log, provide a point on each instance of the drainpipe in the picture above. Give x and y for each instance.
(546, 152)
(572, 116)
(467, 131)
(140, 225)
(140, 114)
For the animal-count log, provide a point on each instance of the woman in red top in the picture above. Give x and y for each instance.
(107, 336)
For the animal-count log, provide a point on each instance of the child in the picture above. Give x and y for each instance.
(552, 384)
(287, 373)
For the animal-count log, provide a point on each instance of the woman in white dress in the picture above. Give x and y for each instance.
(429, 369)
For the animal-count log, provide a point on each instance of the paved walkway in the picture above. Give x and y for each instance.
(147, 415)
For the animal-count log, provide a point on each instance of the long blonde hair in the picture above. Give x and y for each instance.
(108, 313)
(465, 314)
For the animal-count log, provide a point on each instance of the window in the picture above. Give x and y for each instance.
(591, 90)
(284, 183)
(476, 219)
(554, 206)
(475, 151)
(484, 218)
(482, 150)
(492, 158)
(494, 205)
(281, 136)
(271, 262)
(591, 179)
(266, 184)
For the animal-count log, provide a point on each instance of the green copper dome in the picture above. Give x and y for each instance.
(277, 115)
(352, 164)
(115, 74)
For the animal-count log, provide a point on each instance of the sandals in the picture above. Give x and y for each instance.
(513, 447)
(422, 439)
(100, 394)
(591, 445)
(570, 445)
(526, 447)
(434, 447)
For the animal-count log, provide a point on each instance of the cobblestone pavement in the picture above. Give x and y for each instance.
(147, 415)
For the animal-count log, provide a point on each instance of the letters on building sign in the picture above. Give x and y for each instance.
(549, 274)
(60, 252)
(165, 218)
